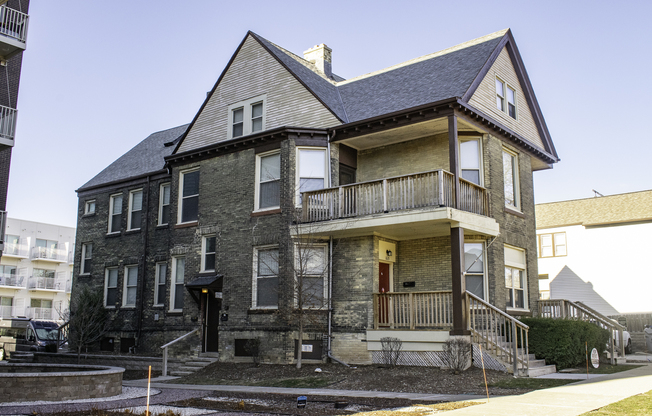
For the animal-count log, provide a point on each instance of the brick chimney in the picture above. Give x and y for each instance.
(320, 55)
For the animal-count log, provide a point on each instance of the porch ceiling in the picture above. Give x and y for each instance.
(406, 133)
(403, 225)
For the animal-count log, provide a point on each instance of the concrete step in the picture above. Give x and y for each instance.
(215, 355)
(179, 373)
(537, 363)
(541, 371)
(196, 364)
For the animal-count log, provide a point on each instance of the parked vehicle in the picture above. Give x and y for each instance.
(22, 334)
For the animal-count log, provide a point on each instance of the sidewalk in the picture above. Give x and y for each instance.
(569, 400)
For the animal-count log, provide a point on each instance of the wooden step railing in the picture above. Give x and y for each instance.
(566, 309)
(427, 189)
(501, 335)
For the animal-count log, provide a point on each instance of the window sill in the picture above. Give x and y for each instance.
(514, 211)
(157, 306)
(133, 231)
(187, 224)
(90, 214)
(262, 311)
(128, 306)
(111, 235)
(176, 312)
(207, 273)
(518, 311)
(270, 211)
(84, 275)
(162, 226)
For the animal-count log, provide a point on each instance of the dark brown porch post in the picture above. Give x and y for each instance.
(460, 318)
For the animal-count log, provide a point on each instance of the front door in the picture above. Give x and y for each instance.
(213, 306)
(383, 287)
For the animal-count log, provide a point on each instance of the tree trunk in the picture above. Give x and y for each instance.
(300, 346)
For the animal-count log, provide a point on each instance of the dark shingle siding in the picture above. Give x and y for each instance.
(146, 157)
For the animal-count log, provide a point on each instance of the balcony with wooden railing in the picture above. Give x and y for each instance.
(401, 199)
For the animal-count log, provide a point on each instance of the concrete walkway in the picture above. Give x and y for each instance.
(568, 400)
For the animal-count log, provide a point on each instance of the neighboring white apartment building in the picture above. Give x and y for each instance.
(36, 270)
(605, 241)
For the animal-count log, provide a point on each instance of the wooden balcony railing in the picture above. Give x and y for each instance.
(413, 310)
(426, 189)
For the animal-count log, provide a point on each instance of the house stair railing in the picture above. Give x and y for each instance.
(63, 334)
(499, 334)
(165, 350)
(566, 309)
(426, 189)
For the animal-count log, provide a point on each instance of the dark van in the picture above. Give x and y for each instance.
(20, 334)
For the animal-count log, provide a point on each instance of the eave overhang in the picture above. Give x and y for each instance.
(439, 109)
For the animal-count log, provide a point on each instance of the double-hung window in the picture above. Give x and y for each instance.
(515, 278)
(208, 254)
(474, 269)
(552, 245)
(159, 285)
(471, 160)
(505, 98)
(164, 204)
(310, 271)
(312, 170)
(189, 196)
(135, 209)
(268, 178)
(86, 258)
(176, 288)
(115, 213)
(111, 287)
(511, 178)
(130, 288)
(246, 117)
(265, 283)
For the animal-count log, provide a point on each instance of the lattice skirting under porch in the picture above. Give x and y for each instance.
(490, 363)
(436, 359)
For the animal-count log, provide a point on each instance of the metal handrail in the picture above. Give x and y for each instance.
(165, 350)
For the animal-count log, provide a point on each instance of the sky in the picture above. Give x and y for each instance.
(98, 77)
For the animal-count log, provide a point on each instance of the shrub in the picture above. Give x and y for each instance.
(252, 347)
(457, 353)
(391, 349)
(562, 341)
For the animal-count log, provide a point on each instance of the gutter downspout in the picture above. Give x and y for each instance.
(141, 286)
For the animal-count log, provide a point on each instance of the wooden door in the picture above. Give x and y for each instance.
(383, 300)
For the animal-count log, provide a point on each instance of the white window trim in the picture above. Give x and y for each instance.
(173, 282)
(203, 253)
(480, 156)
(257, 190)
(485, 277)
(160, 203)
(554, 244)
(297, 170)
(106, 286)
(157, 286)
(517, 181)
(324, 273)
(520, 266)
(111, 198)
(182, 175)
(125, 279)
(129, 211)
(87, 206)
(505, 110)
(254, 285)
(82, 269)
(246, 116)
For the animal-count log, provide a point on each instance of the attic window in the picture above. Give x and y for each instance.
(246, 117)
(505, 98)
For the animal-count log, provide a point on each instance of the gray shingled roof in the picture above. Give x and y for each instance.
(146, 157)
(428, 79)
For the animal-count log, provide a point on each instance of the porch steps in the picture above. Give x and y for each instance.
(21, 357)
(194, 364)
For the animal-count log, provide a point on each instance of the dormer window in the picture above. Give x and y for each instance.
(247, 117)
(505, 98)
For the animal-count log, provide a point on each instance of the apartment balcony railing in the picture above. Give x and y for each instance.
(13, 24)
(47, 283)
(8, 117)
(40, 313)
(11, 280)
(426, 189)
(49, 254)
